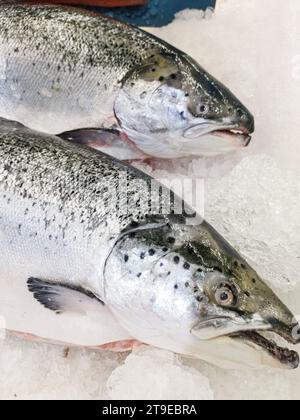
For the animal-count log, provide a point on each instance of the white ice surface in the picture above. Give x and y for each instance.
(253, 198)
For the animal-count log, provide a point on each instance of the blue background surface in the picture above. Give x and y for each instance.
(157, 12)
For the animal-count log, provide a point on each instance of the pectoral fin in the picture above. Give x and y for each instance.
(61, 298)
(92, 137)
(108, 141)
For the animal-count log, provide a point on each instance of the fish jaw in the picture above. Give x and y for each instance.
(168, 145)
(241, 353)
(285, 358)
(251, 335)
(217, 142)
(217, 138)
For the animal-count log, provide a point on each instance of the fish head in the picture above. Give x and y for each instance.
(173, 108)
(184, 288)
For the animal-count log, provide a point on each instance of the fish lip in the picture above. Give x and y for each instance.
(286, 357)
(233, 132)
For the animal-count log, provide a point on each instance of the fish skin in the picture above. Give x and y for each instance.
(60, 60)
(157, 271)
(62, 69)
(59, 202)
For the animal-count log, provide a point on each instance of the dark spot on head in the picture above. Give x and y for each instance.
(199, 299)
(126, 258)
(171, 240)
(173, 76)
(243, 266)
(139, 275)
(176, 286)
(161, 79)
(169, 273)
(165, 249)
(187, 284)
(236, 264)
(247, 294)
(154, 70)
(253, 281)
(186, 266)
(199, 270)
(142, 256)
(176, 259)
(151, 252)
(161, 264)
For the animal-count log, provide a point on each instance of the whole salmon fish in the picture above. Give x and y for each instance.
(64, 69)
(94, 252)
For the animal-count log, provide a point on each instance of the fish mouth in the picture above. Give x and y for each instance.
(241, 135)
(284, 356)
(233, 134)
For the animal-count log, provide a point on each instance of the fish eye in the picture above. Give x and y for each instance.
(202, 109)
(224, 296)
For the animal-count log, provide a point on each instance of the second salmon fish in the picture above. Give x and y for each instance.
(65, 69)
(95, 252)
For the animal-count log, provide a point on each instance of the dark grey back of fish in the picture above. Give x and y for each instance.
(93, 39)
(60, 68)
(83, 186)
